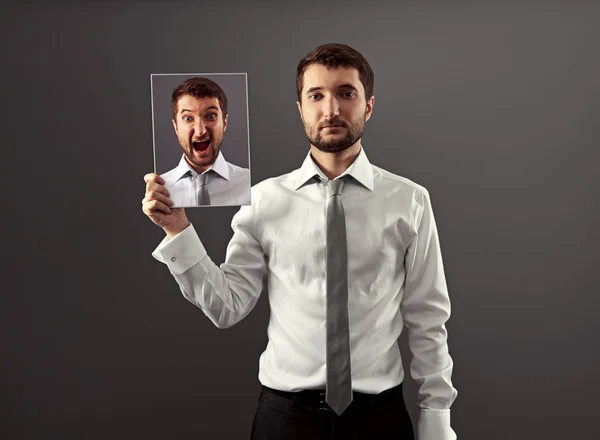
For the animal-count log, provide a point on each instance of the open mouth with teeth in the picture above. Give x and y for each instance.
(201, 146)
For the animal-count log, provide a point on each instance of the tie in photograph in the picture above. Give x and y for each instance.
(203, 197)
(339, 378)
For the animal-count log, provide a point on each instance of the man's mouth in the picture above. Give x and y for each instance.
(332, 126)
(201, 146)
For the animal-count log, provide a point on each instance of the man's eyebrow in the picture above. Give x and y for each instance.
(347, 86)
(313, 89)
(212, 107)
(341, 86)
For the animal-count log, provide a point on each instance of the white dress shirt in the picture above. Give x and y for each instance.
(395, 278)
(227, 184)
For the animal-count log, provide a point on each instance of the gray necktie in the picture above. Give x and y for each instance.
(339, 378)
(203, 197)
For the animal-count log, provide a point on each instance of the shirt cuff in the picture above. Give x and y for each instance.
(434, 424)
(181, 252)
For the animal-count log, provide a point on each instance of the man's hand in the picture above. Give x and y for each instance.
(157, 205)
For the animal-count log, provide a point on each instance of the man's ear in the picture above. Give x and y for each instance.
(300, 110)
(225, 119)
(370, 105)
(175, 126)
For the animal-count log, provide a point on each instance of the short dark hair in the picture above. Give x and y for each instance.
(199, 87)
(334, 55)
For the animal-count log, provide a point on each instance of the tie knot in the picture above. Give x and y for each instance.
(335, 186)
(203, 178)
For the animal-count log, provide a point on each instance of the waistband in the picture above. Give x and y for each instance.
(316, 397)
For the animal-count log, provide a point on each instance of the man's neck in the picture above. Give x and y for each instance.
(334, 164)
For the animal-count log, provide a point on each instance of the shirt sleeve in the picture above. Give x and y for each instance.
(226, 293)
(425, 309)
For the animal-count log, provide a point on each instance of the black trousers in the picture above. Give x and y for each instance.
(305, 416)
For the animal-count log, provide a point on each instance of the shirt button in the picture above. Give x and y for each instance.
(173, 258)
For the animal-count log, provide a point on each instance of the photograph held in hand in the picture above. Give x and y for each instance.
(206, 121)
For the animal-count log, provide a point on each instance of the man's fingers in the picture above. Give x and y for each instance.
(155, 195)
(150, 177)
(155, 205)
(153, 177)
(152, 186)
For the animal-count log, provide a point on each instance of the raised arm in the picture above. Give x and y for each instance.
(226, 294)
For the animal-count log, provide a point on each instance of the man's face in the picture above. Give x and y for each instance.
(333, 107)
(199, 125)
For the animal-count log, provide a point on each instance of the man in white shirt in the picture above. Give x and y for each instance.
(332, 366)
(203, 176)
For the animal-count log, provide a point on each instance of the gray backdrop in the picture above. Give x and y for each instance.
(167, 151)
(493, 106)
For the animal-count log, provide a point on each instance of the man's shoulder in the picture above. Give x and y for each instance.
(237, 169)
(281, 181)
(274, 185)
(397, 182)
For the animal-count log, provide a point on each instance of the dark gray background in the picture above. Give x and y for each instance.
(493, 106)
(167, 151)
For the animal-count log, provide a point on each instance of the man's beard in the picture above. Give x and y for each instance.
(353, 133)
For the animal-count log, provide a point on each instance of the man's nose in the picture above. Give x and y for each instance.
(199, 127)
(331, 107)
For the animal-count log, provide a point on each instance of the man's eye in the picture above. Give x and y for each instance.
(212, 116)
(349, 94)
(315, 96)
(187, 118)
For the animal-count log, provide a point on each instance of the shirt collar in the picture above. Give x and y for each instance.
(360, 170)
(219, 166)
